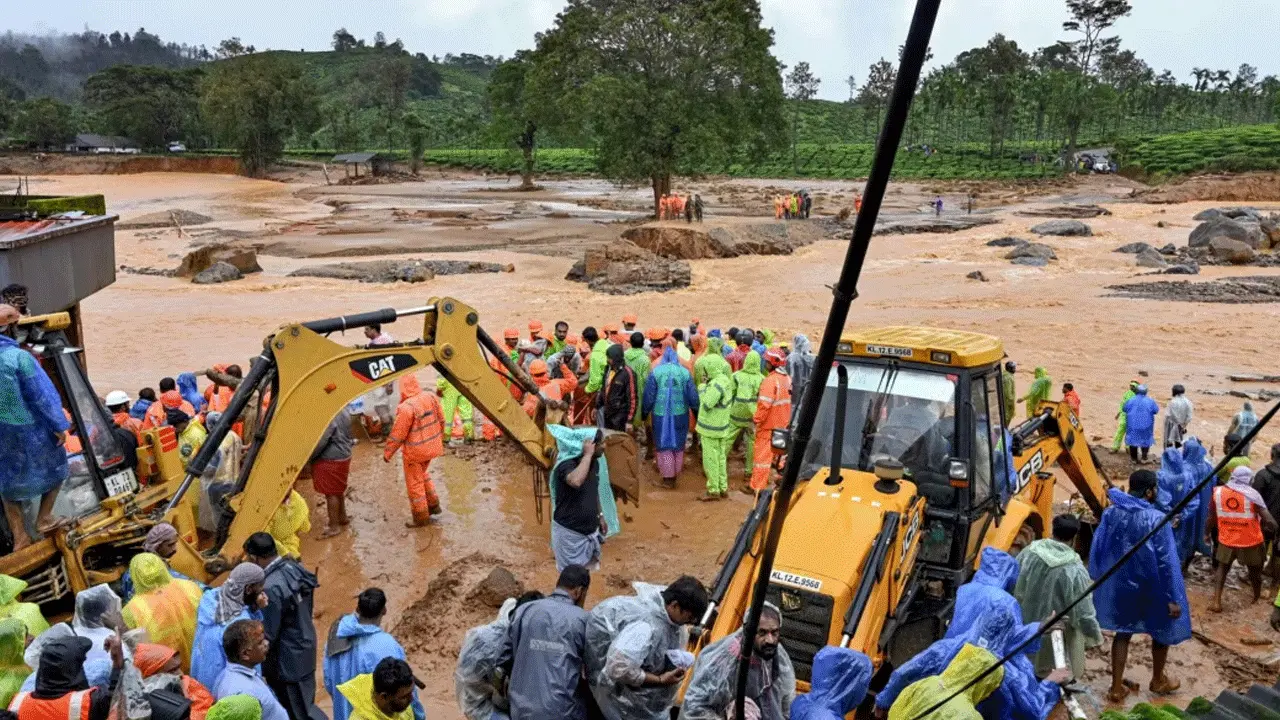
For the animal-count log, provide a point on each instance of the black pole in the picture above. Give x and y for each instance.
(845, 291)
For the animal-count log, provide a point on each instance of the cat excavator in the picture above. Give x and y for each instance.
(911, 472)
(301, 380)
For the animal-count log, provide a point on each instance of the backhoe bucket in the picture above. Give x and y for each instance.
(623, 456)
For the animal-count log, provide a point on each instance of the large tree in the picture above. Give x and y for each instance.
(512, 112)
(151, 105)
(1089, 19)
(802, 86)
(995, 71)
(256, 104)
(661, 87)
(45, 122)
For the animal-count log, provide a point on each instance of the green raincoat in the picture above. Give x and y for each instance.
(924, 694)
(13, 670)
(746, 394)
(29, 613)
(712, 358)
(599, 362)
(715, 427)
(1038, 392)
(1051, 575)
(638, 360)
(1010, 395)
(1118, 441)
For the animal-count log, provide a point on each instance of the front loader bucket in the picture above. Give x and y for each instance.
(623, 456)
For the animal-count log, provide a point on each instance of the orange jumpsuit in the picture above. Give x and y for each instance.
(419, 433)
(557, 390)
(156, 414)
(130, 423)
(773, 411)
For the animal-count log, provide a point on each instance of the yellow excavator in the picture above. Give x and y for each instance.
(910, 473)
(296, 386)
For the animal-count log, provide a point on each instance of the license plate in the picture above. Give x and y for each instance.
(787, 578)
(120, 483)
(889, 351)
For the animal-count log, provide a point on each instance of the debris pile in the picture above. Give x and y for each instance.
(390, 271)
(695, 243)
(624, 268)
(1072, 212)
(1253, 289)
(934, 224)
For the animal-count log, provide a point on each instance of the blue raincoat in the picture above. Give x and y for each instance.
(569, 446)
(139, 409)
(208, 659)
(190, 391)
(30, 419)
(1198, 468)
(840, 679)
(1021, 695)
(1136, 599)
(669, 394)
(1174, 484)
(991, 587)
(1140, 421)
(355, 649)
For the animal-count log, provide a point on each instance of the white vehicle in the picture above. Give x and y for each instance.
(177, 147)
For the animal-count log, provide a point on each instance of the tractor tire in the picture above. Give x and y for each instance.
(1026, 535)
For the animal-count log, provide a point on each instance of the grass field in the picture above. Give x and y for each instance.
(1238, 149)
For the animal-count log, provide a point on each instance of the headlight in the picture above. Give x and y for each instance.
(958, 472)
(781, 439)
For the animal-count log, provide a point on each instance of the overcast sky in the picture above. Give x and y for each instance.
(837, 37)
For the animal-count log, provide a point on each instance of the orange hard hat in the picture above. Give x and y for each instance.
(610, 329)
(537, 367)
(655, 333)
(696, 321)
(535, 326)
(774, 358)
(572, 339)
(630, 319)
(511, 334)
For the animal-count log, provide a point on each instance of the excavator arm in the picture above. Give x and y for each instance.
(1055, 436)
(311, 378)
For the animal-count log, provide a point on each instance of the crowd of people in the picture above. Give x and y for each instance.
(794, 206)
(674, 206)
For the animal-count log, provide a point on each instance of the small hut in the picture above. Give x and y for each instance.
(351, 162)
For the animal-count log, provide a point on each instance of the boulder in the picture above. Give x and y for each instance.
(1149, 258)
(1132, 248)
(1232, 251)
(1031, 261)
(1006, 241)
(1032, 250)
(1063, 228)
(624, 268)
(499, 585)
(1169, 249)
(934, 224)
(218, 272)
(1189, 268)
(1234, 213)
(1270, 227)
(977, 275)
(244, 259)
(1249, 233)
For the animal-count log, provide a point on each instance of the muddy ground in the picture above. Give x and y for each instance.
(1061, 316)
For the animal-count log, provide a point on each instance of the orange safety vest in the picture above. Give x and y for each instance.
(157, 414)
(72, 706)
(1238, 522)
(130, 423)
(218, 398)
(419, 429)
(773, 409)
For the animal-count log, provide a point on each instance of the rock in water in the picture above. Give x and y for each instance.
(933, 224)
(1032, 250)
(1031, 261)
(1169, 249)
(1233, 213)
(1006, 241)
(497, 587)
(244, 259)
(1149, 258)
(1063, 227)
(977, 275)
(1132, 248)
(1183, 269)
(218, 272)
(623, 268)
(1065, 211)
(1232, 251)
(1249, 233)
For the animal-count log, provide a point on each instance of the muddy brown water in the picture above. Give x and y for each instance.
(1062, 317)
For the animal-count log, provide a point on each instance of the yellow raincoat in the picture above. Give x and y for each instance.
(291, 519)
(13, 636)
(29, 613)
(924, 694)
(359, 692)
(164, 605)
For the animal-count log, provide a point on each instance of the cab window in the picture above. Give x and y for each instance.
(982, 441)
(1002, 453)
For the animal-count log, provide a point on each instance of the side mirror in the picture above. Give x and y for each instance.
(781, 439)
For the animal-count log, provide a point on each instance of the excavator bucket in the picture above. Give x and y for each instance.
(623, 456)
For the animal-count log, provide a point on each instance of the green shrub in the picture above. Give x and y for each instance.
(89, 204)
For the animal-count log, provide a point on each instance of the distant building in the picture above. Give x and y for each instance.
(103, 145)
(378, 164)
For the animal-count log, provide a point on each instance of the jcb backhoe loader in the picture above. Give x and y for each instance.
(910, 472)
(306, 379)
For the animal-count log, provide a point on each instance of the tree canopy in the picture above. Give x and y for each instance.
(256, 104)
(150, 105)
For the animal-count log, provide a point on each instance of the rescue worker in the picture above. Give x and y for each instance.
(1172, 487)
(629, 644)
(191, 433)
(290, 665)
(559, 338)
(1239, 516)
(190, 392)
(535, 347)
(117, 403)
(1177, 421)
(218, 396)
(1038, 392)
(1051, 575)
(638, 360)
(219, 478)
(146, 398)
(578, 524)
(356, 643)
(33, 433)
(840, 678)
(511, 343)
(715, 429)
(1071, 398)
(746, 393)
(13, 667)
(712, 358)
(771, 678)
(744, 338)
(289, 522)
(566, 362)
(61, 685)
(1140, 424)
(610, 332)
(170, 399)
(454, 404)
(1147, 595)
(597, 360)
(330, 468)
(773, 412)
(239, 598)
(799, 365)
(655, 337)
(616, 400)
(1122, 428)
(246, 646)
(1267, 482)
(669, 396)
(1009, 385)
(556, 393)
(1197, 469)
(629, 322)
(924, 694)
(163, 605)
(385, 694)
(546, 646)
(161, 669)
(1242, 423)
(420, 432)
(478, 678)
(990, 587)
(28, 613)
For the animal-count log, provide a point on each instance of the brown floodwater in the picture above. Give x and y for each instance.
(1060, 317)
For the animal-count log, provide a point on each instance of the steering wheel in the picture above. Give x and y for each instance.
(888, 442)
